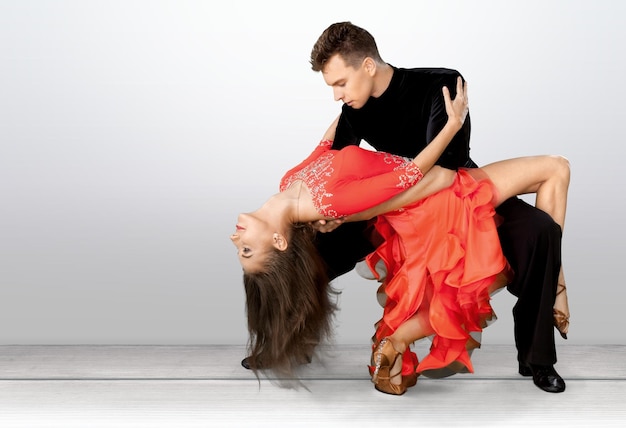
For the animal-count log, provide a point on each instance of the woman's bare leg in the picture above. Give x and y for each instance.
(548, 177)
(415, 328)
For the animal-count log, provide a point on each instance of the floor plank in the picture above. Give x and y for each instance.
(223, 362)
(200, 386)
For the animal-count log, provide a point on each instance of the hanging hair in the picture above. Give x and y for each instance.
(352, 43)
(289, 306)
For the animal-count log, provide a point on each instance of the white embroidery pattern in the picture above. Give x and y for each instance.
(315, 176)
(412, 174)
(391, 159)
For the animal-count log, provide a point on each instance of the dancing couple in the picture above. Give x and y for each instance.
(447, 233)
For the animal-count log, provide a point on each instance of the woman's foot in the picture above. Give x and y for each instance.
(387, 370)
(561, 310)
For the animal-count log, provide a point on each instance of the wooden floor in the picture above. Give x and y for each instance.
(205, 386)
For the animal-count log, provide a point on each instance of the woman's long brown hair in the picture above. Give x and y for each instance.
(289, 306)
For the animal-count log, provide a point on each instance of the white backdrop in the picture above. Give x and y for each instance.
(133, 132)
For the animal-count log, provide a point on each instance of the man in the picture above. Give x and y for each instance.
(400, 111)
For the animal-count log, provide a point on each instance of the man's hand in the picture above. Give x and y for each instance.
(328, 225)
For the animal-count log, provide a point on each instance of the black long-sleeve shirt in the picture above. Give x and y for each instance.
(406, 117)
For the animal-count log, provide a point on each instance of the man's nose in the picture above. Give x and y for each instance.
(338, 94)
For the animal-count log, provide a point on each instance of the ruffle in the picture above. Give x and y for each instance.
(441, 255)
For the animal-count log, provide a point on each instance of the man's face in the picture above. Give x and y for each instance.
(351, 85)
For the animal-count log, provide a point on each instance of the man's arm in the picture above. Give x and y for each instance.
(331, 131)
(344, 134)
(456, 110)
(457, 153)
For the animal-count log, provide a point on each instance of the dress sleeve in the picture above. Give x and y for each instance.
(371, 178)
(321, 148)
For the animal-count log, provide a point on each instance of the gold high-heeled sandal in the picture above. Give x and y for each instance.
(383, 361)
(561, 319)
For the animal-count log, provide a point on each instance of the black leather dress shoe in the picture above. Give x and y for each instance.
(545, 377)
(245, 363)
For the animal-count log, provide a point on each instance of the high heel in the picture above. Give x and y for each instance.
(561, 319)
(383, 360)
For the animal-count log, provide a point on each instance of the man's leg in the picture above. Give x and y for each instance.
(531, 241)
(342, 248)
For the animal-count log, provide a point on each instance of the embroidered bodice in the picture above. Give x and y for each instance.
(351, 180)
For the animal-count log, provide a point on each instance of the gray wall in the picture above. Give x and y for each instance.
(133, 132)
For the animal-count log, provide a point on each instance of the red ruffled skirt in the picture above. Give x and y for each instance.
(441, 255)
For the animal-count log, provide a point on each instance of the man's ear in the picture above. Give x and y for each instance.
(279, 241)
(369, 65)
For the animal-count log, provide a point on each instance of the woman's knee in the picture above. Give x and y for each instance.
(560, 168)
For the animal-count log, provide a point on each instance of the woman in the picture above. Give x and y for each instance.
(288, 295)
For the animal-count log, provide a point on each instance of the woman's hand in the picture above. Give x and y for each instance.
(458, 108)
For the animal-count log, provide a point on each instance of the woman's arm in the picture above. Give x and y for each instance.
(437, 179)
(457, 112)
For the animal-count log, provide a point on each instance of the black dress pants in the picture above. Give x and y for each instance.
(531, 241)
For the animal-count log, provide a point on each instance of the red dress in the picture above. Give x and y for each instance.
(441, 253)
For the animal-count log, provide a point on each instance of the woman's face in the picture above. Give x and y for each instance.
(253, 239)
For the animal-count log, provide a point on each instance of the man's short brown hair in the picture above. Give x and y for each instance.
(352, 43)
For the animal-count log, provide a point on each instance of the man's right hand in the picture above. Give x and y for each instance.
(328, 225)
